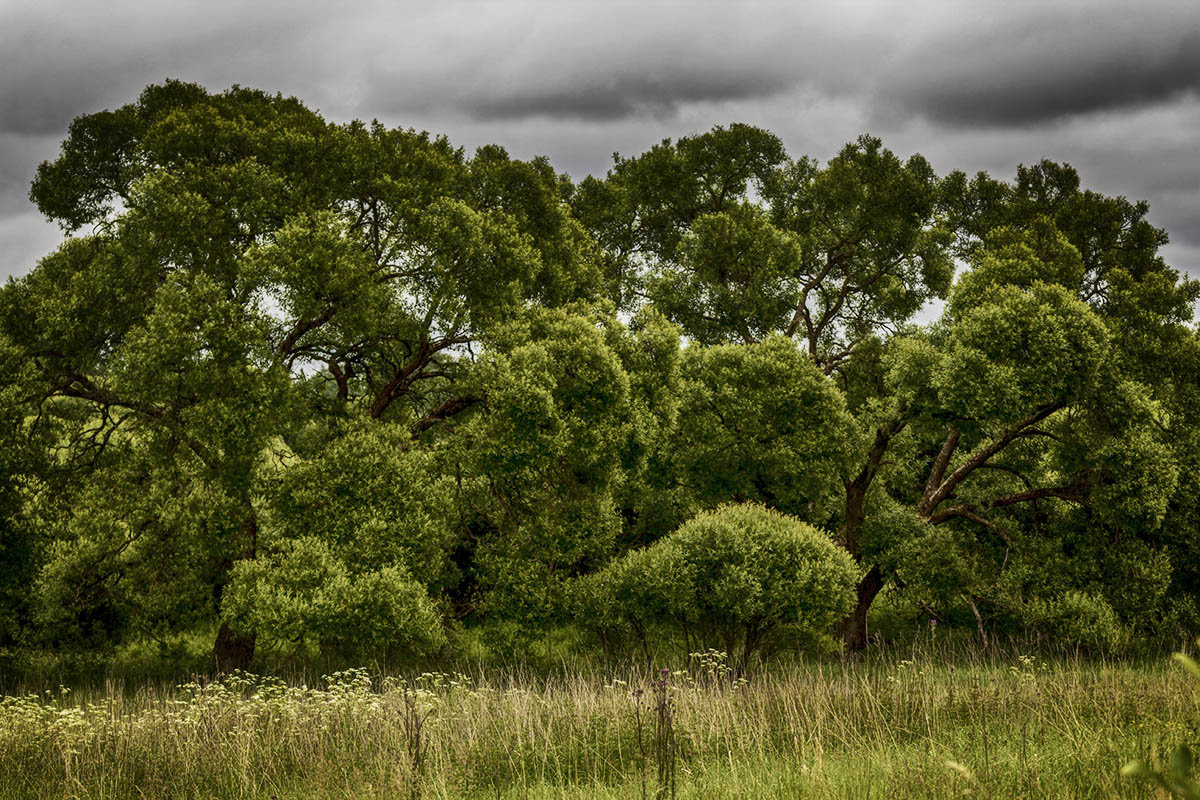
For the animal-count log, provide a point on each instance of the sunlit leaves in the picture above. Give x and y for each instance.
(736, 578)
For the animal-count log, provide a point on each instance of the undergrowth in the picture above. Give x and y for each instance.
(900, 725)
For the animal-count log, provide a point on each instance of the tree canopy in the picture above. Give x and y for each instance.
(323, 387)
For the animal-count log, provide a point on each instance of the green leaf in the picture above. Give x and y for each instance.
(1181, 761)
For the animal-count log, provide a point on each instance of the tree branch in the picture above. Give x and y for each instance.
(941, 463)
(302, 327)
(931, 501)
(1072, 493)
(410, 372)
(856, 488)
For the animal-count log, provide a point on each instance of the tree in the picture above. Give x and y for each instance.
(253, 279)
(541, 462)
(1020, 421)
(1021, 404)
(640, 213)
(743, 578)
(735, 242)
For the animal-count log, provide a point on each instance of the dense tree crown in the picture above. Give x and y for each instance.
(310, 387)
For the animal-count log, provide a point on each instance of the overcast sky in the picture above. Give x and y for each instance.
(1112, 88)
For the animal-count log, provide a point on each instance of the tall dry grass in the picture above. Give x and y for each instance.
(896, 725)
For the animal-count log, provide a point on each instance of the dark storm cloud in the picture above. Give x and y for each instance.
(1063, 89)
(1112, 88)
(101, 57)
(611, 62)
(40, 107)
(603, 98)
(1050, 68)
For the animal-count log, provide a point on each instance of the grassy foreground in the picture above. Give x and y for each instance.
(1010, 726)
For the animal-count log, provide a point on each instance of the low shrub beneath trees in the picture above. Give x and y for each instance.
(743, 579)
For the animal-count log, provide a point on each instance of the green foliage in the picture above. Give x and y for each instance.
(875, 243)
(1020, 257)
(742, 578)
(1018, 350)
(760, 423)
(734, 241)
(461, 377)
(735, 277)
(133, 546)
(304, 594)
(373, 498)
(1079, 618)
(541, 460)
(651, 502)
(261, 288)
(1018, 398)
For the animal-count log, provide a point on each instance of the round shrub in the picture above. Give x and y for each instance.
(743, 578)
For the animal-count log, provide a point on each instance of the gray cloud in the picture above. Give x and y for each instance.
(18, 157)
(1064, 90)
(94, 57)
(602, 98)
(613, 61)
(29, 109)
(1112, 89)
(1181, 220)
(1049, 67)
(24, 239)
(1186, 259)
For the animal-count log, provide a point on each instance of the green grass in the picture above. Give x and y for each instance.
(883, 726)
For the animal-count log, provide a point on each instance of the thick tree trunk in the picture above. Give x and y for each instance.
(232, 650)
(853, 629)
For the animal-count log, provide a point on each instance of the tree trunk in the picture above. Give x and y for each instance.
(853, 629)
(232, 650)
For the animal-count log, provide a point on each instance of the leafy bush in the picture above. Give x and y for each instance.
(373, 498)
(1080, 619)
(305, 595)
(743, 578)
(761, 423)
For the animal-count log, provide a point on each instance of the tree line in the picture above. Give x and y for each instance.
(348, 387)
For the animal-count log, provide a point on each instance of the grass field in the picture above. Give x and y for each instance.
(893, 725)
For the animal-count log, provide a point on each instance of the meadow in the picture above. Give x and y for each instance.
(910, 722)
